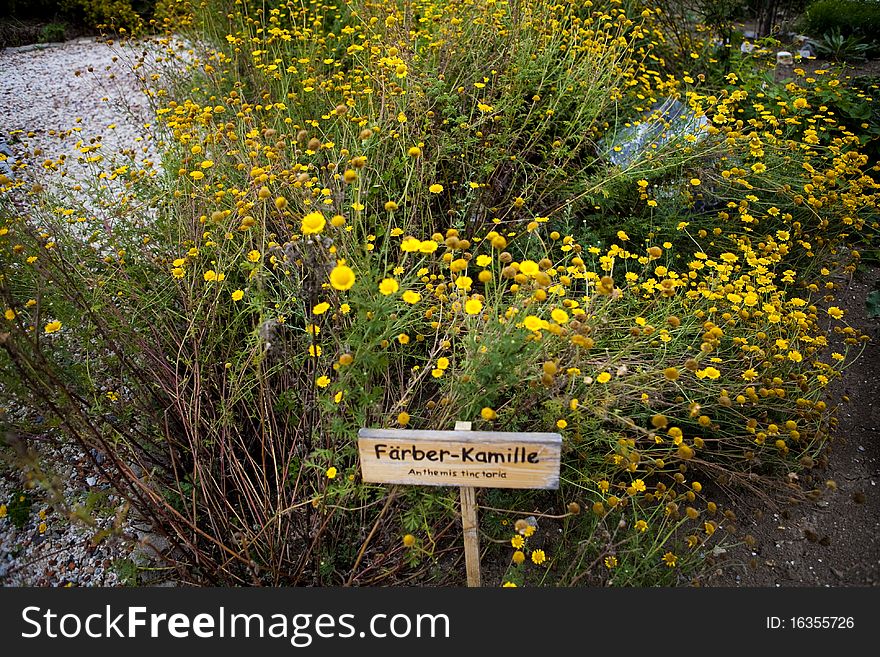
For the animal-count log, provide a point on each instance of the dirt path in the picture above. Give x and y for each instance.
(835, 540)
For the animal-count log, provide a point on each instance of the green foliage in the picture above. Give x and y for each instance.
(19, 507)
(52, 32)
(872, 302)
(428, 230)
(111, 14)
(848, 17)
(127, 571)
(834, 45)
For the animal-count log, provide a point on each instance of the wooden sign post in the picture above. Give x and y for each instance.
(464, 458)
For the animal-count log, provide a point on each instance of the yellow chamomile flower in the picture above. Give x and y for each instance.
(342, 277)
(388, 286)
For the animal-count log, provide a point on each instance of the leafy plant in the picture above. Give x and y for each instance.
(19, 507)
(53, 32)
(872, 302)
(838, 47)
(127, 571)
(427, 230)
(859, 17)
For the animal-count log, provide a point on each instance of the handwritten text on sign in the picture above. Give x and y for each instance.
(490, 459)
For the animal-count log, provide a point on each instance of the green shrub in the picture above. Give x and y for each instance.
(848, 16)
(19, 508)
(52, 32)
(426, 230)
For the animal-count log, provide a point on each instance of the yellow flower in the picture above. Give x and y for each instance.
(538, 557)
(473, 306)
(559, 316)
(253, 256)
(403, 418)
(342, 277)
(331, 472)
(508, 585)
(51, 327)
(410, 244)
(409, 540)
(669, 558)
(639, 485)
(528, 267)
(322, 381)
(9, 314)
(641, 526)
(313, 223)
(518, 557)
(443, 362)
(604, 377)
(708, 373)
(533, 323)
(414, 151)
(435, 188)
(561, 424)
(488, 414)
(321, 308)
(517, 541)
(835, 312)
(411, 297)
(428, 246)
(388, 286)
(464, 283)
(238, 295)
(695, 182)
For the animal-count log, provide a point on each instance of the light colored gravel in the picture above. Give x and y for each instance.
(87, 86)
(91, 89)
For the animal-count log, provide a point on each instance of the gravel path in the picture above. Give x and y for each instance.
(88, 87)
(83, 85)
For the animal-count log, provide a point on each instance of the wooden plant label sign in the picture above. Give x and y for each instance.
(486, 459)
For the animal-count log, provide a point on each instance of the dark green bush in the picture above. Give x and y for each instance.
(52, 32)
(858, 17)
